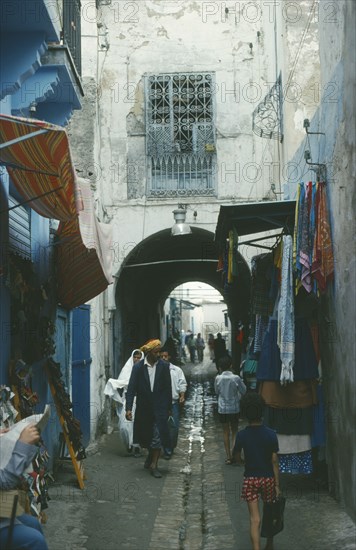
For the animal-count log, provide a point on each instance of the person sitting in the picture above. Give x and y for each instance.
(27, 532)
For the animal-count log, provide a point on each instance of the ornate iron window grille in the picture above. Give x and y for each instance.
(267, 118)
(180, 136)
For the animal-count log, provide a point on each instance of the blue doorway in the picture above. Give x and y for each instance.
(81, 362)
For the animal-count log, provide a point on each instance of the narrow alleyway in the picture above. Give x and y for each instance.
(195, 506)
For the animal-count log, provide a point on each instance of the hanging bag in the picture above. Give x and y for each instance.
(273, 517)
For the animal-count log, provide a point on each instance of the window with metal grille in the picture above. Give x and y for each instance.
(180, 139)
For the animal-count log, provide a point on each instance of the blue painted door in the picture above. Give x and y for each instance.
(81, 361)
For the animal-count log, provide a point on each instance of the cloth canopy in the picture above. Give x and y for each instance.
(84, 255)
(250, 218)
(38, 160)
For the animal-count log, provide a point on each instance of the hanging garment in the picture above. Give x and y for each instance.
(305, 251)
(296, 227)
(300, 394)
(260, 331)
(286, 338)
(230, 258)
(261, 267)
(289, 421)
(298, 235)
(323, 259)
(289, 444)
(306, 364)
(318, 438)
(296, 463)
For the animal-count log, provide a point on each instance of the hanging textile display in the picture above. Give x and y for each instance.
(313, 260)
(286, 337)
(261, 273)
(296, 463)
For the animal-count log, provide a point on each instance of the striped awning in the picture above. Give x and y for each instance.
(38, 160)
(84, 255)
(37, 157)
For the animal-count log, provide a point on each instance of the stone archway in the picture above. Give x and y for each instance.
(156, 266)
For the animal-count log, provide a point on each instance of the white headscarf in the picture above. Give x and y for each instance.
(113, 385)
(125, 373)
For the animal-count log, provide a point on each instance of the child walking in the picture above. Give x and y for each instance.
(229, 388)
(261, 476)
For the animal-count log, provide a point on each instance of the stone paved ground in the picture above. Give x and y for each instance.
(195, 506)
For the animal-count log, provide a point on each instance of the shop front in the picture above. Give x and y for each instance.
(289, 274)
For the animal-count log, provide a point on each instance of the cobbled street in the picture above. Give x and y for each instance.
(195, 506)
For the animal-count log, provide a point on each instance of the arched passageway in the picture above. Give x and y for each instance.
(153, 269)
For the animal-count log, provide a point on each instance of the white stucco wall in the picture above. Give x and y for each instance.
(158, 37)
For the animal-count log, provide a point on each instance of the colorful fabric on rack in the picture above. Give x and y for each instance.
(313, 261)
(300, 394)
(232, 255)
(286, 338)
(261, 267)
(306, 247)
(323, 259)
(296, 227)
(298, 236)
(230, 259)
(296, 463)
(260, 331)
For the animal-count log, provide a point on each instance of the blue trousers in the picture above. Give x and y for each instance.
(26, 535)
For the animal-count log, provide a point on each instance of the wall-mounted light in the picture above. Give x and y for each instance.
(180, 227)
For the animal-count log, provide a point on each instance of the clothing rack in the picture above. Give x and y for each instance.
(251, 242)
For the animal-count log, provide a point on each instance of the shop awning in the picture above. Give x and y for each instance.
(250, 218)
(84, 255)
(37, 157)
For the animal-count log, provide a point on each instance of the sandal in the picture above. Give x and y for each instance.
(228, 461)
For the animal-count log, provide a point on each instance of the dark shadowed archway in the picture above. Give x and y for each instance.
(153, 269)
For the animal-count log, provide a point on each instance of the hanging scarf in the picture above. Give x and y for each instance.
(323, 259)
(286, 336)
(230, 258)
(305, 251)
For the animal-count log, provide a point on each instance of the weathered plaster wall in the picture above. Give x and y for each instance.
(159, 37)
(337, 52)
(336, 118)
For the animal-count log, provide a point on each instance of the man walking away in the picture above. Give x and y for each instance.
(219, 349)
(200, 344)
